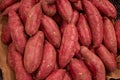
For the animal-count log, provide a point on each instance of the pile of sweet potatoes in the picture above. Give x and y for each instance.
(61, 39)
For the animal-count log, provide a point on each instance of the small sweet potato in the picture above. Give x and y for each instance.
(107, 58)
(14, 7)
(117, 30)
(6, 3)
(84, 32)
(67, 48)
(67, 77)
(94, 63)
(49, 10)
(78, 5)
(75, 17)
(105, 7)
(95, 21)
(33, 20)
(51, 30)
(17, 31)
(79, 70)
(56, 75)
(5, 36)
(109, 36)
(65, 9)
(25, 7)
(34, 52)
(48, 62)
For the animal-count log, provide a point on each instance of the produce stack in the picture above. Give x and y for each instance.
(61, 39)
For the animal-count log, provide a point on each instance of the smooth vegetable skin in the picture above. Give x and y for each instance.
(107, 58)
(94, 63)
(34, 52)
(95, 21)
(68, 46)
(48, 63)
(79, 70)
(17, 31)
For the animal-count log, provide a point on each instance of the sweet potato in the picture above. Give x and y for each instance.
(117, 30)
(78, 5)
(95, 21)
(34, 52)
(94, 63)
(48, 62)
(33, 20)
(65, 9)
(49, 10)
(79, 70)
(5, 36)
(14, 7)
(6, 3)
(67, 48)
(84, 32)
(51, 31)
(107, 58)
(67, 77)
(17, 31)
(56, 75)
(25, 7)
(105, 7)
(109, 36)
(75, 17)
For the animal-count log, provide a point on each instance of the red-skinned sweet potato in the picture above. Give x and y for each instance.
(65, 9)
(34, 52)
(105, 7)
(33, 20)
(51, 31)
(17, 31)
(84, 32)
(95, 21)
(109, 36)
(6, 3)
(14, 7)
(107, 58)
(78, 5)
(56, 75)
(79, 70)
(94, 63)
(25, 7)
(68, 46)
(117, 30)
(48, 62)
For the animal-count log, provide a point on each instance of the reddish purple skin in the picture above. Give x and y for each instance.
(49, 10)
(14, 7)
(25, 7)
(56, 75)
(5, 36)
(48, 62)
(68, 46)
(67, 77)
(33, 20)
(34, 52)
(78, 5)
(51, 30)
(65, 9)
(84, 32)
(105, 7)
(79, 70)
(117, 30)
(75, 17)
(95, 21)
(94, 63)
(17, 31)
(109, 36)
(6, 3)
(107, 58)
